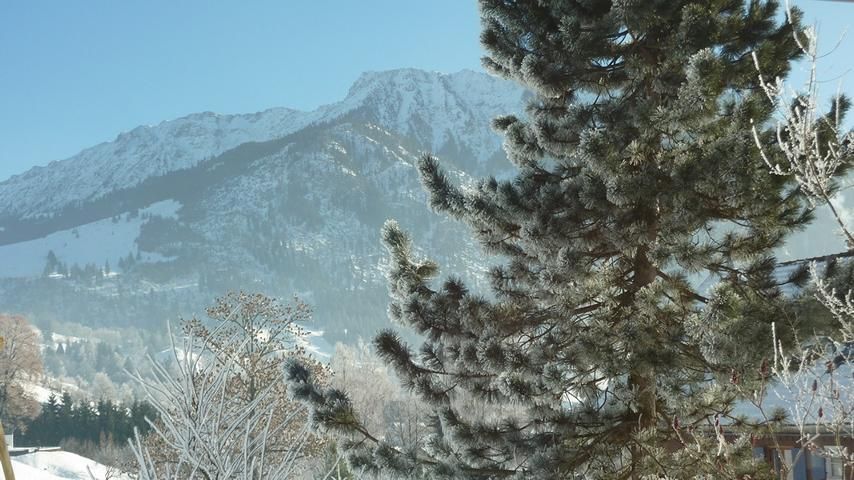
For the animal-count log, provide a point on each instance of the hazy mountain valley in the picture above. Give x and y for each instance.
(155, 224)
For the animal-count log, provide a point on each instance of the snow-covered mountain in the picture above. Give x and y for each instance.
(435, 109)
(279, 201)
(141, 153)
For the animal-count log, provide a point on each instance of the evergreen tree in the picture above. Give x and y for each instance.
(638, 181)
(51, 407)
(51, 264)
(108, 423)
(64, 422)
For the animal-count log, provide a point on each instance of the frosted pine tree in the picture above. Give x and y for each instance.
(635, 282)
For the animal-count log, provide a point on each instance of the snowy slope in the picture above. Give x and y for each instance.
(433, 107)
(95, 243)
(41, 389)
(39, 393)
(353, 178)
(58, 466)
(139, 154)
(22, 470)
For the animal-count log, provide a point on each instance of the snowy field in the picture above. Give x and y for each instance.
(58, 466)
(96, 242)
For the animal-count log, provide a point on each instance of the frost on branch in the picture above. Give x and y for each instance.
(814, 382)
(815, 385)
(814, 147)
(841, 307)
(210, 434)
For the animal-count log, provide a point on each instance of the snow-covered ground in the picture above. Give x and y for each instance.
(59, 465)
(316, 345)
(40, 393)
(96, 242)
(40, 389)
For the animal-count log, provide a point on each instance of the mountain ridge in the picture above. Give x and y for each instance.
(391, 97)
(160, 221)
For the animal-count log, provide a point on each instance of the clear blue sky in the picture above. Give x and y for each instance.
(77, 73)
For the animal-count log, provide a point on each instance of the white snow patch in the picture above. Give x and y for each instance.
(58, 465)
(65, 340)
(164, 208)
(337, 147)
(316, 345)
(95, 242)
(42, 388)
(22, 470)
(38, 392)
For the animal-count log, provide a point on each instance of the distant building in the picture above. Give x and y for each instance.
(809, 465)
(836, 378)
